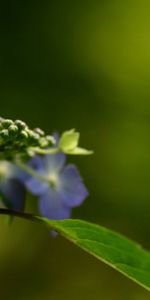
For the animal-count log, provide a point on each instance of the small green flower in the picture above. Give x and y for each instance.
(69, 143)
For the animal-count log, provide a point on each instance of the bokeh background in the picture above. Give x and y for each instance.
(84, 65)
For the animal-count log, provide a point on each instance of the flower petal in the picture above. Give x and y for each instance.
(45, 166)
(36, 162)
(21, 175)
(72, 188)
(14, 194)
(54, 163)
(35, 186)
(51, 206)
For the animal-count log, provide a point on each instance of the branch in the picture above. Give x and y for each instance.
(22, 215)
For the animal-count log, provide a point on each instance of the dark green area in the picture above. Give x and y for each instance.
(83, 65)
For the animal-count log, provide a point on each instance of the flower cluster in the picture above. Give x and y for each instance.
(17, 139)
(58, 186)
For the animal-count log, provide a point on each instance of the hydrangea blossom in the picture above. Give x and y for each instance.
(58, 186)
(12, 188)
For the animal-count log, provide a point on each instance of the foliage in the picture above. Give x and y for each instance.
(34, 161)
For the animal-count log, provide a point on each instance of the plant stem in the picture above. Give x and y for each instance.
(22, 215)
(44, 151)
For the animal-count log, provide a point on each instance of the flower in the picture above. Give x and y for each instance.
(68, 143)
(12, 188)
(59, 186)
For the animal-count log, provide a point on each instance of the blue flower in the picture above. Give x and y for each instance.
(59, 186)
(12, 188)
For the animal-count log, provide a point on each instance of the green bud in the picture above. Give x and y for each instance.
(43, 143)
(69, 144)
(4, 134)
(6, 123)
(51, 139)
(69, 140)
(21, 125)
(39, 131)
(35, 136)
(30, 133)
(13, 129)
(23, 135)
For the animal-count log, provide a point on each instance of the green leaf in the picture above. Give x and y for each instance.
(120, 253)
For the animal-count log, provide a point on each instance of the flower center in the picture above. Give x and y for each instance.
(53, 180)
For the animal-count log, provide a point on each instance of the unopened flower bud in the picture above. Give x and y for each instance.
(51, 139)
(21, 125)
(23, 135)
(13, 129)
(6, 123)
(39, 131)
(4, 134)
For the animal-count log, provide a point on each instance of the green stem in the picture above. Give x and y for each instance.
(44, 151)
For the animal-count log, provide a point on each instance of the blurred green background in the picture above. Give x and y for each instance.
(83, 65)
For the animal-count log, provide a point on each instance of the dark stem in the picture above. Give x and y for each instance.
(27, 216)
